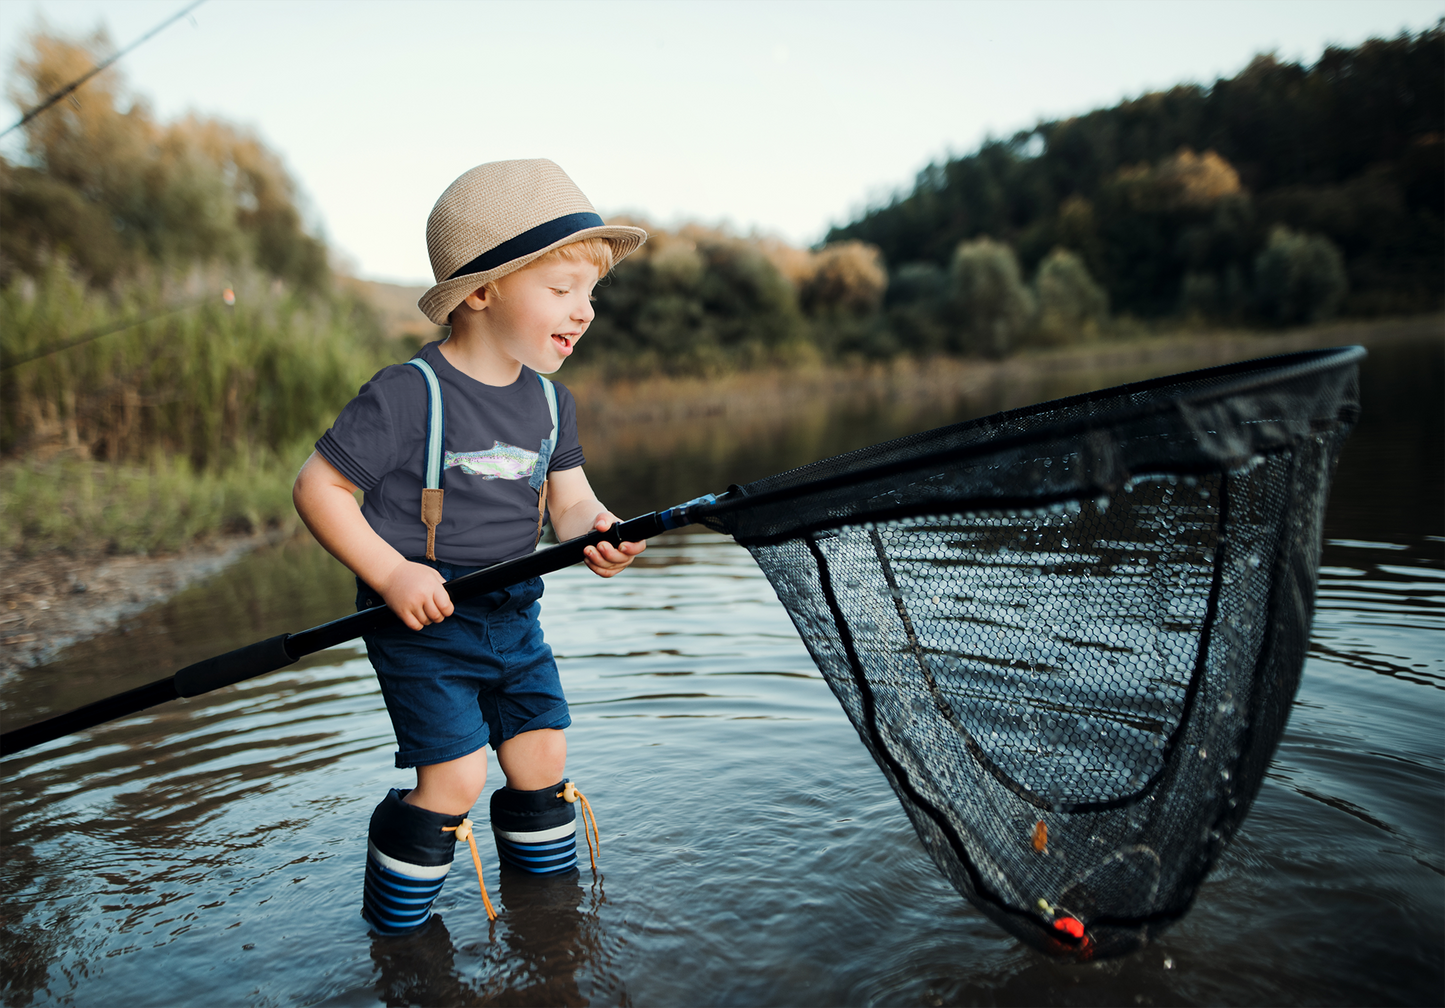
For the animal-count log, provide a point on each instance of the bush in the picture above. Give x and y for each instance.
(992, 306)
(1071, 304)
(1299, 278)
(695, 301)
(844, 277)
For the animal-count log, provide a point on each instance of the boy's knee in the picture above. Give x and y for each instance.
(452, 787)
(534, 759)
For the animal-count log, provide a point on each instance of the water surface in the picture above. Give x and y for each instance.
(210, 851)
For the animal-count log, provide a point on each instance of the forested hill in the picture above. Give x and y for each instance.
(1171, 199)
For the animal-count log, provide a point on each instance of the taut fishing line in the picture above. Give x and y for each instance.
(71, 88)
(1069, 634)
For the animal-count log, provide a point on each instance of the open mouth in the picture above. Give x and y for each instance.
(564, 343)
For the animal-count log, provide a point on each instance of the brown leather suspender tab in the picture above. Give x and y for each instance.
(431, 516)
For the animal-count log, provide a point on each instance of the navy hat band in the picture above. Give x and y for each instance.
(529, 241)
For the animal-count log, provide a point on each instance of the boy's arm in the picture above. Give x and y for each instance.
(324, 500)
(577, 511)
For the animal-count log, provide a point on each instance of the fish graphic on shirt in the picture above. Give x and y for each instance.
(501, 461)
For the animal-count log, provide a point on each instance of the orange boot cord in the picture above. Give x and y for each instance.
(464, 832)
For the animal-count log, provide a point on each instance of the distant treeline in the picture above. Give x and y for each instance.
(1282, 195)
(138, 407)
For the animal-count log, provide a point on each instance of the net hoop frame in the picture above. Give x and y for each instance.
(1254, 374)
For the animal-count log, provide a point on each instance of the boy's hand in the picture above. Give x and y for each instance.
(605, 559)
(416, 593)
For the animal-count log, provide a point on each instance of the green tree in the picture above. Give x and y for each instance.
(990, 302)
(1299, 278)
(106, 183)
(695, 300)
(1071, 305)
(917, 308)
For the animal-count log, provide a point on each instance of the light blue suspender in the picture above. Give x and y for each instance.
(435, 424)
(431, 495)
(544, 457)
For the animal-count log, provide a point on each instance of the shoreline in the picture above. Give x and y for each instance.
(53, 600)
(776, 391)
(49, 602)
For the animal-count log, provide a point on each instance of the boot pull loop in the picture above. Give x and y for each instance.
(463, 830)
(570, 794)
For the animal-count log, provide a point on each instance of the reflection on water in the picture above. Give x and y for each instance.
(549, 937)
(211, 851)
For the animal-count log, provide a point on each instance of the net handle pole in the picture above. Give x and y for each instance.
(285, 649)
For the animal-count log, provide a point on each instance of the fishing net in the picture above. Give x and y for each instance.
(1070, 634)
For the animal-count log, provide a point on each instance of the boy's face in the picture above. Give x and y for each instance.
(542, 313)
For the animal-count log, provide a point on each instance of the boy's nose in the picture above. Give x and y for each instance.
(585, 312)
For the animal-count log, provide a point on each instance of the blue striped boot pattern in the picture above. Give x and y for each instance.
(407, 859)
(536, 831)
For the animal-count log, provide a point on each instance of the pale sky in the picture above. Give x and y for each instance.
(780, 117)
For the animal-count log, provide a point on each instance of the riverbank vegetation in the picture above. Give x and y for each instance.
(173, 338)
(168, 424)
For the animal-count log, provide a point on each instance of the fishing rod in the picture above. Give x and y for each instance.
(285, 649)
(71, 88)
(228, 297)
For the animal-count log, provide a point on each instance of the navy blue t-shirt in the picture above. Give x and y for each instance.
(493, 435)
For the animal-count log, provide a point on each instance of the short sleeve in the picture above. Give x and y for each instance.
(362, 442)
(568, 453)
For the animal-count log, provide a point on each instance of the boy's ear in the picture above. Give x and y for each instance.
(477, 299)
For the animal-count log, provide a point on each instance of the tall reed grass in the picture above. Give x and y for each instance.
(182, 424)
(90, 508)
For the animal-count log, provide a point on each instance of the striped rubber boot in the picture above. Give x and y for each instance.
(407, 859)
(536, 831)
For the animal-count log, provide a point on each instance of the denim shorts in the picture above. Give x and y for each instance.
(479, 677)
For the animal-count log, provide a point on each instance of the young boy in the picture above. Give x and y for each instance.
(470, 422)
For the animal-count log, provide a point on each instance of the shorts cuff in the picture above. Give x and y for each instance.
(557, 717)
(452, 750)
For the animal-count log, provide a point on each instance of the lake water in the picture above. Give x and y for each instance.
(210, 851)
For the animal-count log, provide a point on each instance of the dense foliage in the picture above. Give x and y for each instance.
(1281, 195)
(110, 188)
(139, 405)
(699, 300)
(127, 230)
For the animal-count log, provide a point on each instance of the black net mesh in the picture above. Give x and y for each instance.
(1070, 634)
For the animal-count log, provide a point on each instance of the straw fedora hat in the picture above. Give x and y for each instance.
(499, 217)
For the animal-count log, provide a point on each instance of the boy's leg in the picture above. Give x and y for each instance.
(453, 787)
(410, 849)
(533, 759)
(536, 830)
(431, 680)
